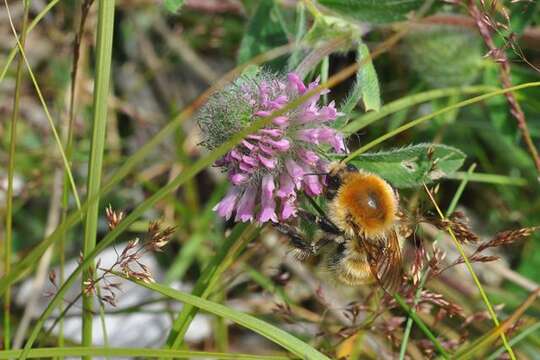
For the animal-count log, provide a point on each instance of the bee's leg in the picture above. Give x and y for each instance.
(302, 246)
(321, 221)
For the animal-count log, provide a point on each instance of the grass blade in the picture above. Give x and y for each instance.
(133, 353)
(8, 241)
(274, 334)
(101, 94)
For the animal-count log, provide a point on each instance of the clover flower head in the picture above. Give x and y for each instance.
(269, 168)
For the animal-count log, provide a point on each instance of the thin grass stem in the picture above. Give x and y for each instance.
(99, 126)
(8, 241)
(32, 25)
(434, 114)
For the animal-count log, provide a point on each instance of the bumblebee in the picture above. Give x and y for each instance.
(359, 229)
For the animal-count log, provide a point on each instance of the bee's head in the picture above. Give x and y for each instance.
(337, 171)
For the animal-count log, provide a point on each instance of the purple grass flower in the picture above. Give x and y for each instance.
(269, 168)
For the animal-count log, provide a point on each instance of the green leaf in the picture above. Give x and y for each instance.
(173, 5)
(274, 334)
(444, 55)
(264, 32)
(366, 88)
(367, 80)
(374, 11)
(412, 165)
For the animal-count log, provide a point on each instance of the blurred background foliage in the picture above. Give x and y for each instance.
(165, 55)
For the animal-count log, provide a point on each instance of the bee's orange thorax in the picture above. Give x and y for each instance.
(367, 201)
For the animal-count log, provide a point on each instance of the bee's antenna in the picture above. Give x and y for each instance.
(324, 173)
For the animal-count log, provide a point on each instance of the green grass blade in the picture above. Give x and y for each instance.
(133, 353)
(274, 334)
(99, 126)
(489, 178)
(409, 101)
(434, 114)
(32, 25)
(8, 241)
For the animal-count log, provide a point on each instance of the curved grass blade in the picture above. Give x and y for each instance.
(132, 353)
(409, 101)
(274, 334)
(32, 25)
(434, 114)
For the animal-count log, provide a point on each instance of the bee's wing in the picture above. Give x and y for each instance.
(385, 261)
(389, 267)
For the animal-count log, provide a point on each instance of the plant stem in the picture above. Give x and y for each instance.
(68, 136)
(8, 241)
(101, 94)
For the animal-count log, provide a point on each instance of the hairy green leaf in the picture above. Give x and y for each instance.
(412, 165)
(444, 55)
(366, 88)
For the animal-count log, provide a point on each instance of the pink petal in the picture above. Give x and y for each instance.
(266, 149)
(248, 145)
(263, 113)
(296, 82)
(312, 185)
(288, 209)
(280, 120)
(268, 163)
(286, 186)
(250, 160)
(238, 178)
(268, 204)
(246, 167)
(328, 113)
(246, 205)
(272, 132)
(235, 155)
(308, 156)
(226, 206)
(295, 171)
(280, 145)
(309, 135)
